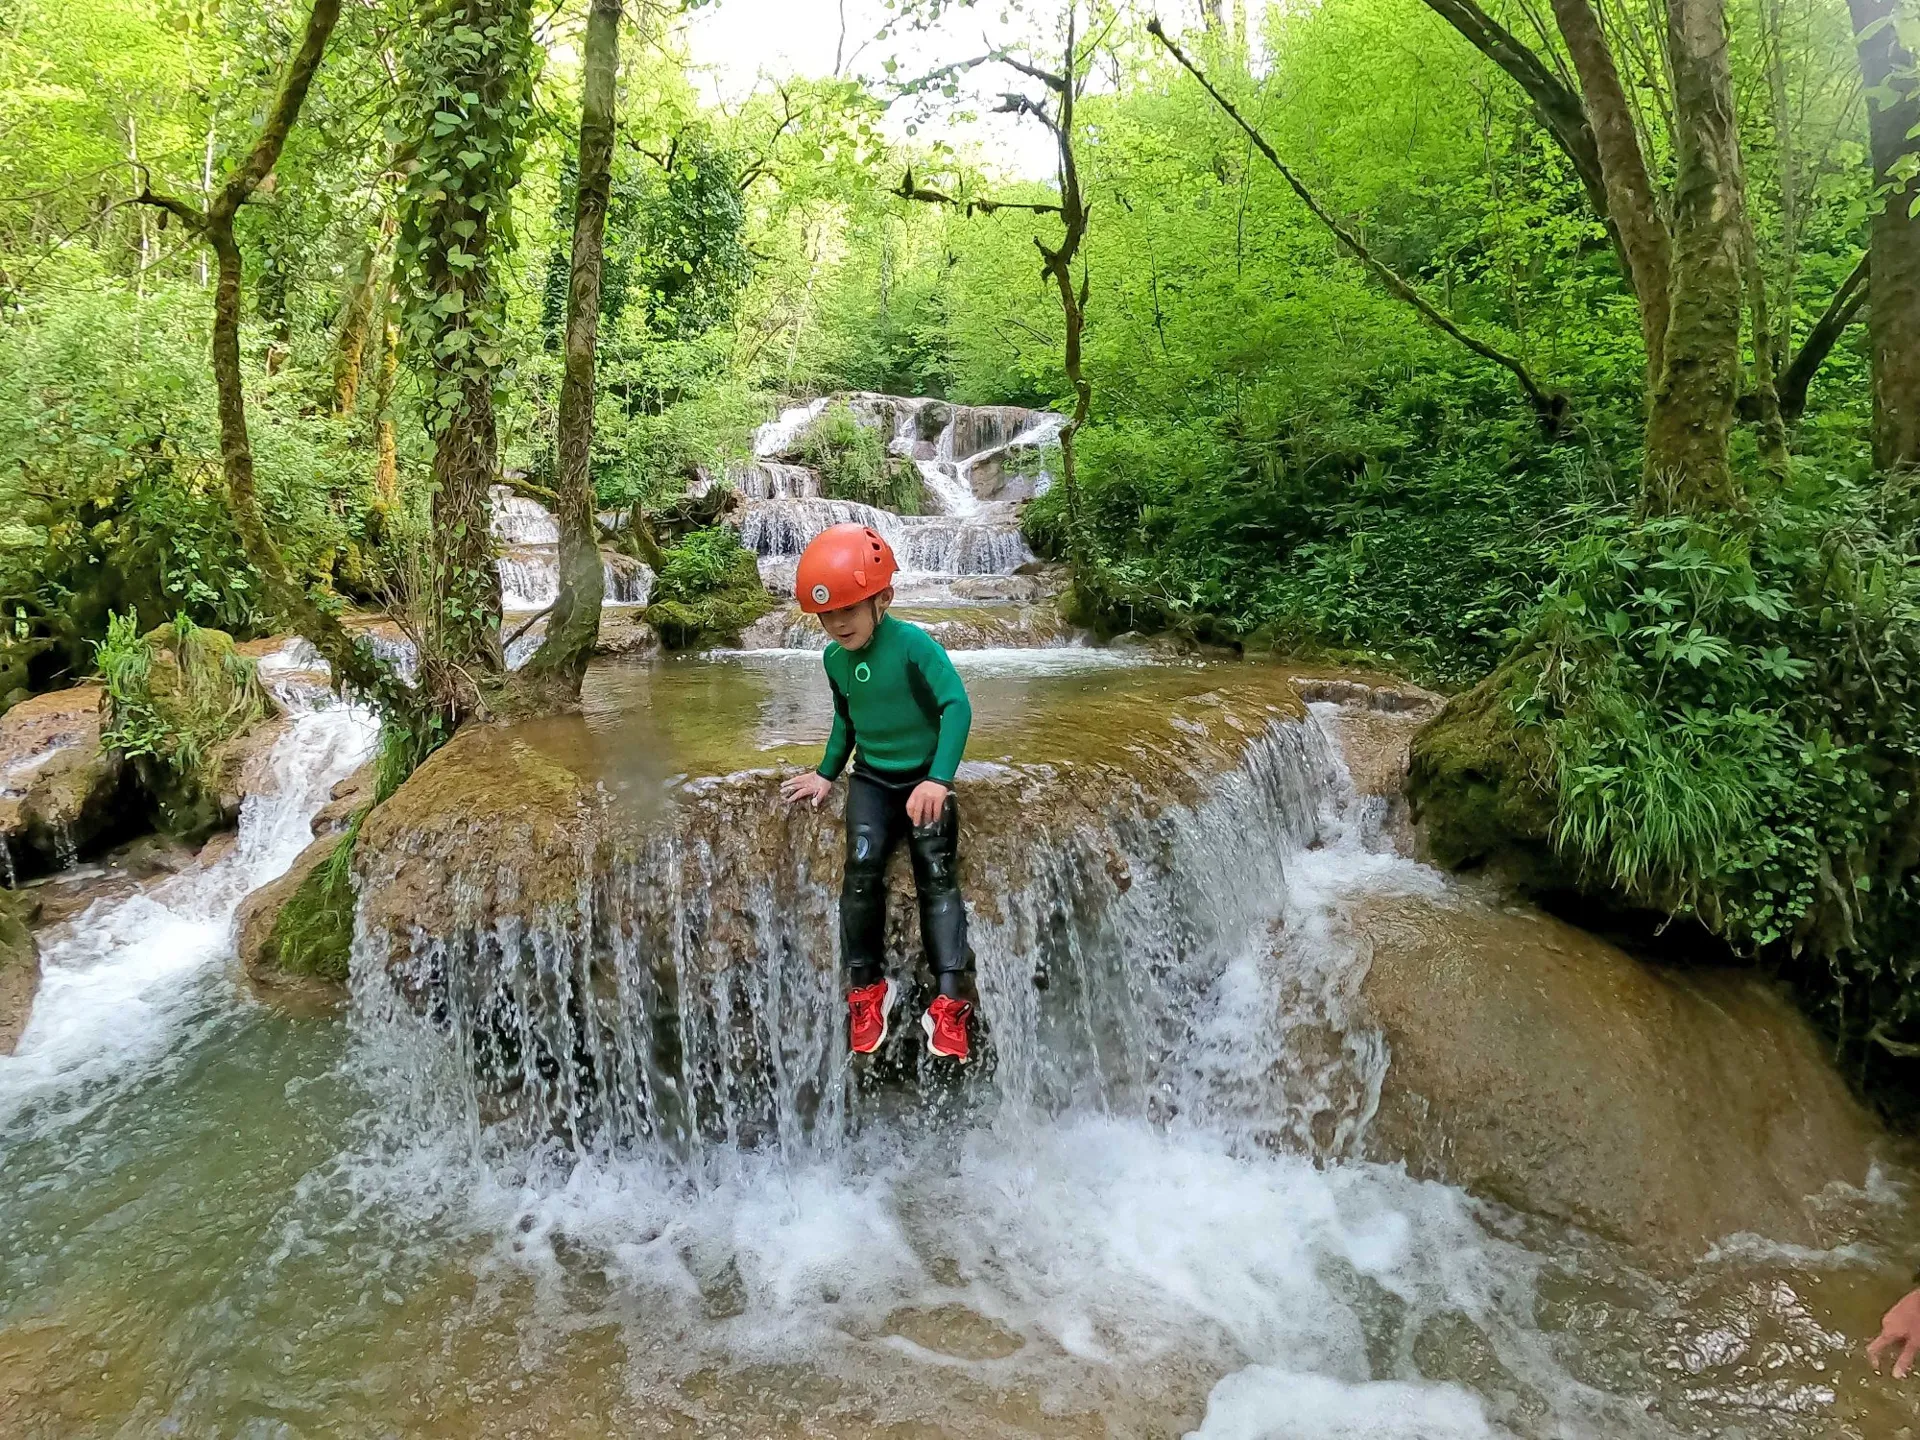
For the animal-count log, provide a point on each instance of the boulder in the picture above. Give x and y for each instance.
(1543, 1068)
(19, 968)
(60, 790)
(295, 933)
(625, 631)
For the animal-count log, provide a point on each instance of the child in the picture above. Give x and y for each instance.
(898, 701)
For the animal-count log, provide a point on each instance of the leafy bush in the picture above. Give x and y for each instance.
(177, 695)
(854, 464)
(1413, 522)
(1732, 705)
(110, 478)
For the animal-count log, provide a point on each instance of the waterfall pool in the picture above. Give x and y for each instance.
(1147, 1217)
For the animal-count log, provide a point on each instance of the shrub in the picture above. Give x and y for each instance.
(853, 463)
(708, 590)
(177, 696)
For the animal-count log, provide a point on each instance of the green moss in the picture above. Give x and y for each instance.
(1479, 783)
(313, 933)
(708, 591)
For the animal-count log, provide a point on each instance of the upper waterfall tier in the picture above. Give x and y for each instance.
(967, 455)
(987, 542)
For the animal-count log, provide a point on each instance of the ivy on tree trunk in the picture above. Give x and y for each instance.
(575, 622)
(470, 86)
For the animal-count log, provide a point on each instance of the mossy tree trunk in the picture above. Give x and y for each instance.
(1692, 409)
(469, 94)
(353, 662)
(1887, 66)
(561, 662)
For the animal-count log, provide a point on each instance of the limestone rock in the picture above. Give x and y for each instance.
(59, 789)
(624, 631)
(19, 968)
(1536, 1065)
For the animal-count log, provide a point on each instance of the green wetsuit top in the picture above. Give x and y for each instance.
(900, 700)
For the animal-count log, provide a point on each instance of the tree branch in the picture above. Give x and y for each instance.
(1551, 406)
(1841, 312)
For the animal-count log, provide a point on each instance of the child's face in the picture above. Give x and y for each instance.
(853, 627)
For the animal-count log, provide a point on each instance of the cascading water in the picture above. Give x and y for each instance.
(1143, 1217)
(529, 562)
(121, 980)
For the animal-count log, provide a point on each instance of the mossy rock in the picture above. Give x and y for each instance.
(689, 620)
(300, 925)
(179, 697)
(19, 968)
(1478, 784)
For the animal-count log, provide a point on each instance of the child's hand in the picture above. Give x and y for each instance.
(1902, 1325)
(811, 786)
(926, 802)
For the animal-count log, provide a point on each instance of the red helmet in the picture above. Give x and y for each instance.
(841, 566)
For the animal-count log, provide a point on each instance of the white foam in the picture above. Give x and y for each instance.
(1264, 1402)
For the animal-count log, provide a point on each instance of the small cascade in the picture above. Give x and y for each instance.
(123, 977)
(778, 435)
(772, 480)
(987, 542)
(520, 521)
(529, 562)
(780, 529)
(977, 465)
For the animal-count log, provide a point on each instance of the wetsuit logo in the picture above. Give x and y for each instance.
(862, 673)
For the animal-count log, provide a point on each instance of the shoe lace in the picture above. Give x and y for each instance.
(865, 1004)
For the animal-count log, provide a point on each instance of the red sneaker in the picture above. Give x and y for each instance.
(946, 1025)
(867, 1010)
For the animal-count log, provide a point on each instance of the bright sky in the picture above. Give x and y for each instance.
(739, 40)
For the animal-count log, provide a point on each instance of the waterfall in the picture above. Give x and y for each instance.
(123, 978)
(778, 435)
(687, 995)
(529, 562)
(771, 480)
(520, 521)
(782, 528)
(959, 545)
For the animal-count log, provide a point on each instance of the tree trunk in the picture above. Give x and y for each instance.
(353, 662)
(1631, 201)
(1693, 402)
(350, 339)
(386, 463)
(1893, 306)
(575, 622)
(470, 85)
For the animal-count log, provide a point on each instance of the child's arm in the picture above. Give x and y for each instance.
(815, 785)
(956, 712)
(840, 738)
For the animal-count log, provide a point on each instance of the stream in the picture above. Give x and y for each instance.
(584, 1153)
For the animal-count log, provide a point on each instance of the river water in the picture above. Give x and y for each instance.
(1144, 1214)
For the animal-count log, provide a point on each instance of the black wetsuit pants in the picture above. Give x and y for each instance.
(876, 823)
